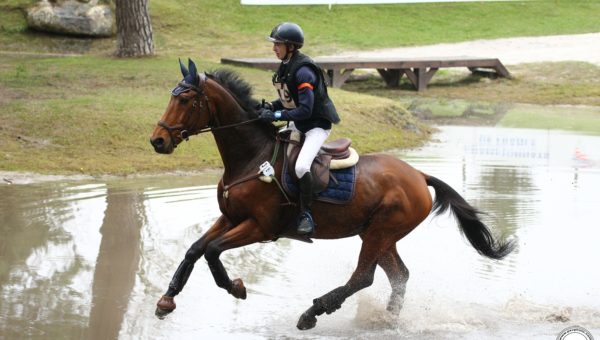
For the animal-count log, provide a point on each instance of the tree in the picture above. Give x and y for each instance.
(134, 30)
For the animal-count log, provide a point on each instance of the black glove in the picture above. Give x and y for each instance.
(264, 105)
(267, 115)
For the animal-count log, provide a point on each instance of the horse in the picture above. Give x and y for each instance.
(391, 197)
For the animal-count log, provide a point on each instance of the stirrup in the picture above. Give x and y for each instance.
(306, 225)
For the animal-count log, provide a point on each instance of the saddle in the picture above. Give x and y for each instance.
(334, 155)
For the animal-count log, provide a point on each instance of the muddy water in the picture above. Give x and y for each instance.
(88, 260)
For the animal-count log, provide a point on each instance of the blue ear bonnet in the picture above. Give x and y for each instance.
(179, 89)
(189, 77)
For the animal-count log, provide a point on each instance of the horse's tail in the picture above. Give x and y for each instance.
(476, 232)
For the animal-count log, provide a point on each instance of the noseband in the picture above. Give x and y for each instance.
(184, 133)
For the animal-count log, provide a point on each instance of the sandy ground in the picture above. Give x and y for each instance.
(510, 51)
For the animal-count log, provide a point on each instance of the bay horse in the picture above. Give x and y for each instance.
(391, 197)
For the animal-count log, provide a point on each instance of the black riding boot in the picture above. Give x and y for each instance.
(306, 225)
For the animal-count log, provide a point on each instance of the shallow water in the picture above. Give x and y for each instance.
(90, 259)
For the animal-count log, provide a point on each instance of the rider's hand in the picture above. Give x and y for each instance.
(264, 105)
(269, 116)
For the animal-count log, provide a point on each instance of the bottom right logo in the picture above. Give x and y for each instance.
(575, 333)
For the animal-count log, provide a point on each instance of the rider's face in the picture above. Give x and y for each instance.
(280, 51)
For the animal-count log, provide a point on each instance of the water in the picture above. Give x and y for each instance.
(90, 259)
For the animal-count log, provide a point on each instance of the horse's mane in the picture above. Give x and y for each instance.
(242, 90)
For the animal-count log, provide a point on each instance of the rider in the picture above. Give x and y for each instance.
(303, 101)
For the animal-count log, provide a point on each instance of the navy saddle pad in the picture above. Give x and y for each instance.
(338, 193)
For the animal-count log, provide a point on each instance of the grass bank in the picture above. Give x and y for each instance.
(561, 95)
(93, 114)
(574, 83)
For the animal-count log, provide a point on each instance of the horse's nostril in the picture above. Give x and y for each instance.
(157, 142)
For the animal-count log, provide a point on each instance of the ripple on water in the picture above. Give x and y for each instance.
(64, 247)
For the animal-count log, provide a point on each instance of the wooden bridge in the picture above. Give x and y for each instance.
(419, 71)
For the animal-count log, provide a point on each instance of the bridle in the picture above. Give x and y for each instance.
(185, 134)
(200, 93)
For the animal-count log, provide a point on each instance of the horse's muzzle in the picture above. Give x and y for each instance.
(161, 146)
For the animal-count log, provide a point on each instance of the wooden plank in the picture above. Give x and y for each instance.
(412, 77)
(502, 71)
(262, 63)
(424, 75)
(419, 71)
(381, 63)
(338, 76)
(391, 76)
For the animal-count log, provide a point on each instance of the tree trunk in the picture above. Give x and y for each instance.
(134, 30)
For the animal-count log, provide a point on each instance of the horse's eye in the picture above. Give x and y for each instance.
(183, 100)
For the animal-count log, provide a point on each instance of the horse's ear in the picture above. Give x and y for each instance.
(184, 70)
(193, 70)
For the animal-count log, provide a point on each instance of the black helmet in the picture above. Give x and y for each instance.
(287, 33)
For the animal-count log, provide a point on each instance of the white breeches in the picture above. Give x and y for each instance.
(313, 141)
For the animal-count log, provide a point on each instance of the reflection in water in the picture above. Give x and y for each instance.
(47, 259)
(117, 263)
(503, 193)
(483, 113)
(89, 260)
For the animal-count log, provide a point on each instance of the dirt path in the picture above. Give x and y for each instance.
(510, 51)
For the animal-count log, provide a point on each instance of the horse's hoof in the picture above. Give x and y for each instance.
(307, 321)
(164, 306)
(394, 309)
(237, 289)
(395, 305)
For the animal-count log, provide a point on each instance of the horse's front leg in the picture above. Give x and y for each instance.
(245, 233)
(166, 304)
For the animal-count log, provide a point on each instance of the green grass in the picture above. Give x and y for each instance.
(213, 29)
(575, 83)
(374, 26)
(86, 115)
(93, 114)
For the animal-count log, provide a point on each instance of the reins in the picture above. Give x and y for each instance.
(185, 134)
(209, 129)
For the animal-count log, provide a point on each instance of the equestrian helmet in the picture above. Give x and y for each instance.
(287, 33)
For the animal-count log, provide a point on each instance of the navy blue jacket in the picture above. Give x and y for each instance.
(307, 89)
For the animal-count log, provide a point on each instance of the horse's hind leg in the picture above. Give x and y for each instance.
(398, 274)
(372, 249)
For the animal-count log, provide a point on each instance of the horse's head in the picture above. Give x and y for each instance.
(186, 114)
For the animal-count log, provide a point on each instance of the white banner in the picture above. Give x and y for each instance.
(349, 2)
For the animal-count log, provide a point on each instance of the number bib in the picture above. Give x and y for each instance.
(284, 95)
